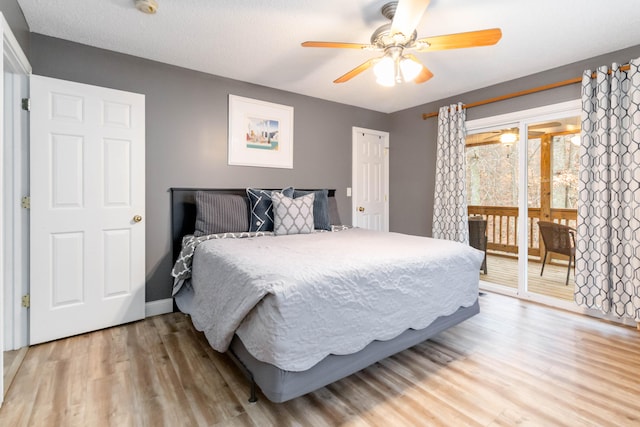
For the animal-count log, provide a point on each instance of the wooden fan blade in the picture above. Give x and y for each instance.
(338, 45)
(461, 40)
(493, 135)
(545, 125)
(425, 73)
(351, 74)
(497, 133)
(407, 16)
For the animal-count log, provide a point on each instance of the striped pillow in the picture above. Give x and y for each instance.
(220, 213)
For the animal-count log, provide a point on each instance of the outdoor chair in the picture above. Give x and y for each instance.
(560, 239)
(478, 237)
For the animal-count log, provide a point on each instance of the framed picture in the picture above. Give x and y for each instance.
(260, 133)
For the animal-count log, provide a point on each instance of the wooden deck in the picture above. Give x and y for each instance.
(504, 271)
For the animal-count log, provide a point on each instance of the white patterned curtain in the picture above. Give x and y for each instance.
(608, 231)
(450, 218)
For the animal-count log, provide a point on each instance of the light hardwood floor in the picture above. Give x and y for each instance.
(12, 361)
(516, 363)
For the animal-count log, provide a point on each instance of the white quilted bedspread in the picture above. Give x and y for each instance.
(293, 300)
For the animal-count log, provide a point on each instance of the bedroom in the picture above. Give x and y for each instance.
(186, 132)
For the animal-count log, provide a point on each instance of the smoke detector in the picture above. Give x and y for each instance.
(147, 6)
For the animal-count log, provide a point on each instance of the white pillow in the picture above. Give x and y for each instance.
(292, 216)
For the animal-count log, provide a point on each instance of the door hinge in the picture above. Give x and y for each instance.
(26, 301)
(26, 202)
(26, 104)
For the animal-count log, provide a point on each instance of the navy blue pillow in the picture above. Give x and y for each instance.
(321, 220)
(261, 215)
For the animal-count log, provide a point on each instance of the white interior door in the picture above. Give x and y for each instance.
(87, 206)
(370, 179)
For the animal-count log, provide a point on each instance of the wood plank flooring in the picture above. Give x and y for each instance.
(11, 362)
(516, 363)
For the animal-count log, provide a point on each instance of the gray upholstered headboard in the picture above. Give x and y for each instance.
(183, 211)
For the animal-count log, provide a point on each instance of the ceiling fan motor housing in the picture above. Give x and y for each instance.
(389, 10)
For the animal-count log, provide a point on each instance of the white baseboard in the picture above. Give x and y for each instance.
(162, 306)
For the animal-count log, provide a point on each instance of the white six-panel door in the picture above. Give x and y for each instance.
(87, 208)
(370, 179)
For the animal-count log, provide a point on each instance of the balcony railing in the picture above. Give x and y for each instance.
(502, 230)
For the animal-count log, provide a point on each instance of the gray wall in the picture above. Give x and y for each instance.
(413, 140)
(186, 133)
(15, 18)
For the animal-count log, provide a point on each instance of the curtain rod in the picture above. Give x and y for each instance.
(425, 116)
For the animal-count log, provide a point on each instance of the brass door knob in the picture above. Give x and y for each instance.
(137, 218)
(360, 209)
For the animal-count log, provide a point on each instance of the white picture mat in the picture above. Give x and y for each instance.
(241, 110)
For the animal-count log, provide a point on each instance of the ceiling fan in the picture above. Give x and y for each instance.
(400, 36)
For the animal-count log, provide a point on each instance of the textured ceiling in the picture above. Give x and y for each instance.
(258, 41)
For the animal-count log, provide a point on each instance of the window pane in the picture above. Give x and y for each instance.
(564, 171)
(492, 170)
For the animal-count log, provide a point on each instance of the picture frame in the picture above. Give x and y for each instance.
(260, 133)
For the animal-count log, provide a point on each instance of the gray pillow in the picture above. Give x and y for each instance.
(220, 213)
(321, 219)
(292, 216)
(334, 216)
(261, 214)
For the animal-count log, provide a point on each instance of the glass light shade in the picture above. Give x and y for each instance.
(508, 138)
(385, 71)
(410, 69)
(388, 82)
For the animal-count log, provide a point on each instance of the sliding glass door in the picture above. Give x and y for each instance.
(492, 196)
(522, 181)
(552, 178)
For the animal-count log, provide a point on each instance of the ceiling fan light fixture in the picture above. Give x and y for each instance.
(394, 68)
(385, 71)
(410, 69)
(386, 82)
(507, 139)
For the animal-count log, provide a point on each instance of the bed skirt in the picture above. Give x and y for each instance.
(279, 385)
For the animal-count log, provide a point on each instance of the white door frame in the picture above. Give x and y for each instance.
(354, 181)
(16, 63)
(16, 256)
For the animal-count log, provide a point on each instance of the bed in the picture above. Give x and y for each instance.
(299, 311)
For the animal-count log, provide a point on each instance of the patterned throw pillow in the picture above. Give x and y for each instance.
(261, 215)
(321, 220)
(292, 216)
